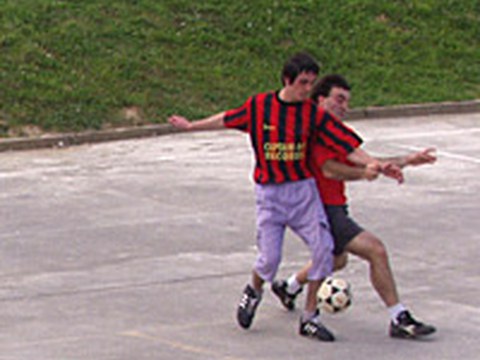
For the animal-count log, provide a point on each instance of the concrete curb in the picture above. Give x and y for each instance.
(462, 107)
(88, 137)
(70, 139)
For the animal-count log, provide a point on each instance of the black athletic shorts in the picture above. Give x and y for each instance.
(343, 227)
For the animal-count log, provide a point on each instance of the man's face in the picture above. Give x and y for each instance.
(299, 89)
(336, 102)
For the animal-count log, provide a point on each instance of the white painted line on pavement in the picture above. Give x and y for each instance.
(442, 133)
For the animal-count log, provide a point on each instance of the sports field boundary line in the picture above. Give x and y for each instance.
(91, 137)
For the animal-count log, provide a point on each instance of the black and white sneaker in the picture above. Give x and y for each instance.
(314, 329)
(247, 306)
(279, 288)
(406, 327)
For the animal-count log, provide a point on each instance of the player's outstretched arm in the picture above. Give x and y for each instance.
(392, 170)
(387, 168)
(426, 156)
(214, 122)
(333, 169)
(361, 157)
(391, 167)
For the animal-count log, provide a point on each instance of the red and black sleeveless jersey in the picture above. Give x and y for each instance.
(280, 133)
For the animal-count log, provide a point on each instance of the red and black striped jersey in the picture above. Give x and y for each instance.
(280, 134)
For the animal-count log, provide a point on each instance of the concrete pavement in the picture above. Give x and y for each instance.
(139, 249)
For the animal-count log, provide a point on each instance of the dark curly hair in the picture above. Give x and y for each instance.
(298, 63)
(326, 83)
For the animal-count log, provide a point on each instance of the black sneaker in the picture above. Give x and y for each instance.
(279, 288)
(313, 328)
(407, 327)
(247, 306)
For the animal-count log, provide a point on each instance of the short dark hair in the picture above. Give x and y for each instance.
(298, 63)
(326, 83)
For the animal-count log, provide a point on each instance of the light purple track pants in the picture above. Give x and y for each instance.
(297, 205)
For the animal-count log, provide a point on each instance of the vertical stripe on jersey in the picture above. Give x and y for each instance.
(313, 128)
(299, 123)
(254, 138)
(313, 118)
(282, 138)
(272, 122)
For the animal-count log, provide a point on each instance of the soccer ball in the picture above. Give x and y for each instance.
(334, 295)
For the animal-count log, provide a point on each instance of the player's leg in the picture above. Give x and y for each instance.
(321, 267)
(340, 261)
(310, 224)
(370, 248)
(270, 233)
(268, 259)
(352, 238)
(287, 290)
(251, 297)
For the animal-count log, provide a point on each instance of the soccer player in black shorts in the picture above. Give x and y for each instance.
(331, 171)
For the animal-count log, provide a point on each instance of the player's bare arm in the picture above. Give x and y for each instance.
(426, 156)
(214, 122)
(361, 157)
(336, 170)
(391, 166)
(387, 168)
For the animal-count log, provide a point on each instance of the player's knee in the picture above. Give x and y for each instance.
(267, 265)
(379, 251)
(321, 247)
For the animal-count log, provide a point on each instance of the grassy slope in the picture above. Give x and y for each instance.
(73, 65)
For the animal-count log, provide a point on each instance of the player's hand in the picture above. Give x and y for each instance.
(180, 122)
(426, 156)
(371, 171)
(392, 171)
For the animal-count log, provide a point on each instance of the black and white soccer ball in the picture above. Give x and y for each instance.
(334, 295)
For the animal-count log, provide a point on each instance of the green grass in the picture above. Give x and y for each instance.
(74, 65)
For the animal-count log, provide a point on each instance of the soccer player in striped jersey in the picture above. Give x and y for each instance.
(331, 170)
(282, 125)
